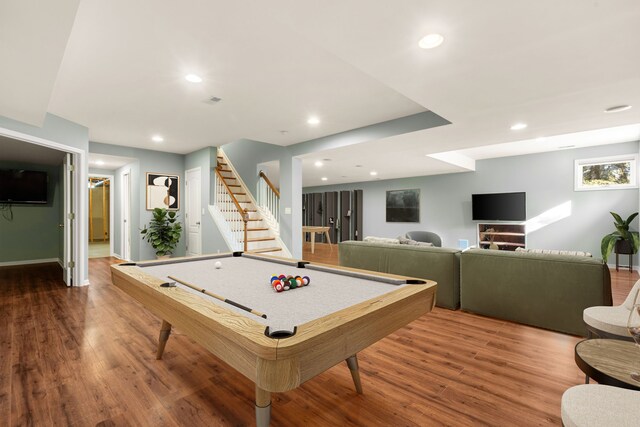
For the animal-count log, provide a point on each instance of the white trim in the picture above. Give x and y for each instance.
(112, 183)
(126, 171)
(31, 261)
(579, 163)
(612, 267)
(186, 205)
(79, 200)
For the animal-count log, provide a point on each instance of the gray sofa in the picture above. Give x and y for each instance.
(439, 264)
(545, 290)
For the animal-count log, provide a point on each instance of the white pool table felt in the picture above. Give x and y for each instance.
(247, 281)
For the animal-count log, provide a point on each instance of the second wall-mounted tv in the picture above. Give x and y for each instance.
(499, 206)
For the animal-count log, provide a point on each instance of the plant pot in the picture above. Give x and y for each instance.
(623, 247)
(163, 256)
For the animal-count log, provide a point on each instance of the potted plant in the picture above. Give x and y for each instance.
(625, 241)
(163, 232)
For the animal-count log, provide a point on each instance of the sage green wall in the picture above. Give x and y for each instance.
(212, 240)
(64, 132)
(548, 180)
(147, 161)
(33, 233)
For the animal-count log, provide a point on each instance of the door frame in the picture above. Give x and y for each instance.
(80, 276)
(125, 247)
(186, 176)
(111, 179)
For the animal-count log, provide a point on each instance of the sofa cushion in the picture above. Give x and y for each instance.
(554, 252)
(441, 265)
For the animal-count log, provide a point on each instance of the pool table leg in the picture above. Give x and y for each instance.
(165, 331)
(263, 407)
(352, 363)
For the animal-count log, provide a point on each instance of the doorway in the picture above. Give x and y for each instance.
(100, 216)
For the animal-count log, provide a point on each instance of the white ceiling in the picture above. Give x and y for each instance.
(13, 150)
(554, 65)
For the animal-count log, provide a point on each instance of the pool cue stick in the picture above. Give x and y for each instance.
(219, 297)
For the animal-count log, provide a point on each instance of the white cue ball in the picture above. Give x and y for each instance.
(218, 264)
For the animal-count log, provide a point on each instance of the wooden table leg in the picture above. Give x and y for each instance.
(263, 407)
(326, 233)
(313, 240)
(352, 363)
(165, 331)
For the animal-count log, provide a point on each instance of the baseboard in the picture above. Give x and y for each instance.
(612, 267)
(29, 261)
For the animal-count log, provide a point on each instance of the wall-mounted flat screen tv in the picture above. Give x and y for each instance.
(499, 207)
(23, 186)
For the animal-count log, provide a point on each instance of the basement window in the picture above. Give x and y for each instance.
(606, 173)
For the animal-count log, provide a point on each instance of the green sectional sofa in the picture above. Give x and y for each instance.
(439, 264)
(545, 290)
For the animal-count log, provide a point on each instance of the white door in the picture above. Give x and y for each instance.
(192, 212)
(126, 215)
(68, 221)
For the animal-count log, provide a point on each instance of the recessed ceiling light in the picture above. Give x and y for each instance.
(430, 41)
(358, 166)
(519, 126)
(373, 173)
(157, 138)
(100, 162)
(193, 78)
(326, 160)
(313, 121)
(318, 164)
(617, 108)
(324, 178)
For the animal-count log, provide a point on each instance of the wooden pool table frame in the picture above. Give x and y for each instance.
(276, 365)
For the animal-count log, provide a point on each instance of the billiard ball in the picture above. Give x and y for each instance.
(306, 280)
(218, 264)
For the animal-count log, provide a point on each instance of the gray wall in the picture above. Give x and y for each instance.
(212, 240)
(33, 234)
(245, 155)
(64, 132)
(148, 161)
(547, 178)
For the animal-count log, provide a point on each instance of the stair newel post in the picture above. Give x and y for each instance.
(245, 219)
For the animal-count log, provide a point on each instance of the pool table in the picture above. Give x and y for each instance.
(276, 339)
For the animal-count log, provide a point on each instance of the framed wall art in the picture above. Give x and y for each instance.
(163, 191)
(403, 205)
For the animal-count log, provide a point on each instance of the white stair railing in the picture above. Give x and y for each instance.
(230, 210)
(268, 202)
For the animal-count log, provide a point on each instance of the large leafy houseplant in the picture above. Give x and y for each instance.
(163, 231)
(622, 233)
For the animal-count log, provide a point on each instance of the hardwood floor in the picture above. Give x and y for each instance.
(86, 356)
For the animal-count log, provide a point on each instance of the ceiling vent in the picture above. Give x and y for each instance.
(215, 99)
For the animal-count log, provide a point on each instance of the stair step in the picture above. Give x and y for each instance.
(239, 194)
(259, 239)
(261, 250)
(257, 229)
(234, 185)
(225, 170)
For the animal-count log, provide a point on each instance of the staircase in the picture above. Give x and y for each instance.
(244, 226)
